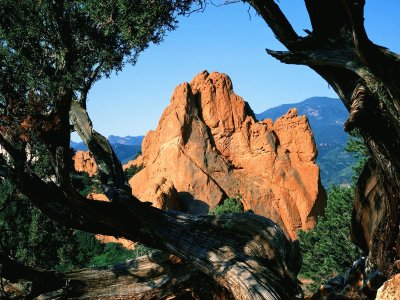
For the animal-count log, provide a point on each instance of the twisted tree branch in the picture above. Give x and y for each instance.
(277, 21)
(110, 169)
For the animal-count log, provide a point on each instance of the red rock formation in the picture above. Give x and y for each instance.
(84, 162)
(210, 147)
(390, 290)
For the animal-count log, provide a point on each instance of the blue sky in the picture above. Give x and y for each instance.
(225, 39)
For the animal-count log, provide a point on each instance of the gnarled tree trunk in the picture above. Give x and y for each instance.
(367, 79)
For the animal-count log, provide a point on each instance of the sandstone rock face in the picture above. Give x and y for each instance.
(84, 162)
(390, 290)
(210, 147)
(106, 238)
(163, 195)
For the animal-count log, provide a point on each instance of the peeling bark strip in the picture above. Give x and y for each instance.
(339, 50)
(357, 108)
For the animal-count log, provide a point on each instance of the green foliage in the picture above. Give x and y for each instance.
(31, 238)
(41, 161)
(81, 182)
(359, 150)
(87, 247)
(356, 146)
(114, 253)
(48, 47)
(326, 249)
(85, 184)
(131, 171)
(229, 205)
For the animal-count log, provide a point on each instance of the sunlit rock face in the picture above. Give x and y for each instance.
(84, 162)
(390, 290)
(208, 146)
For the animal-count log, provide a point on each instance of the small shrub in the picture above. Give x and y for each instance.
(131, 171)
(230, 205)
(115, 253)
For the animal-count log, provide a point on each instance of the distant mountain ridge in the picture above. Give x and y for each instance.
(326, 117)
(126, 140)
(125, 148)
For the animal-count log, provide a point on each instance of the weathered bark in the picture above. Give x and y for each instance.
(110, 169)
(367, 206)
(156, 276)
(339, 50)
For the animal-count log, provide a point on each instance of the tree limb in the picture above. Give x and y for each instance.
(277, 21)
(317, 57)
(363, 46)
(18, 155)
(110, 169)
(327, 17)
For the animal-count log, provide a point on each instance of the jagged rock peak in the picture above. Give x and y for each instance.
(209, 146)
